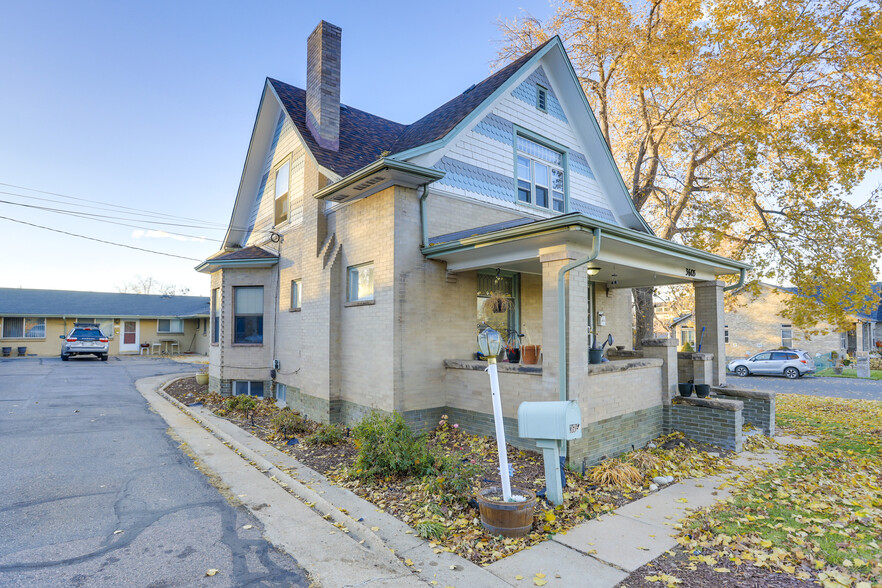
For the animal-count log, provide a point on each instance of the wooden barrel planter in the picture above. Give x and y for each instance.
(509, 519)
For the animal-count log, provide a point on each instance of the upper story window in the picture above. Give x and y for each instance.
(169, 326)
(787, 336)
(542, 98)
(726, 334)
(361, 282)
(282, 175)
(248, 314)
(541, 177)
(295, 294)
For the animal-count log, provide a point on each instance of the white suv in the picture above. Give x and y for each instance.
(791, 363)
(85, 339)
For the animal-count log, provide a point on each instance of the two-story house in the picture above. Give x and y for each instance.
(360, 252)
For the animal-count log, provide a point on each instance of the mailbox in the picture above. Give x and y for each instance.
(560, 420)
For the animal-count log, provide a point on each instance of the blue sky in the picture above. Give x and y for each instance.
(151, 106)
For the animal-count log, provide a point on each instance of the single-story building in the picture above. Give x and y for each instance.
(36, 319)
(755, 322)
(362, 253)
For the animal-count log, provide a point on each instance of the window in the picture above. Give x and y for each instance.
(687, 336)
(843, 340)
(24, 328)
(725, 333)
(281, 392)
(762, 356)
(282, 193)
(295, 294)
(248, 314)
(540, 175)
(169, 326)
(361, 282)
(787, 336)
(507, 284)
(541, 98)
(241, 388)
(204, 323)
(215, 316)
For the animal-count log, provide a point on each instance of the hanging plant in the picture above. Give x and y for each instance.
(497, 302)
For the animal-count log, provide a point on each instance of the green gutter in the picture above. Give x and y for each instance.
(562, 313)
(737, 284)
(424, 223)
(237, 263)
(582, 222)
(379, 165)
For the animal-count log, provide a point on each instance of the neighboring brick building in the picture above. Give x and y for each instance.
(755, 323)
(360, 251)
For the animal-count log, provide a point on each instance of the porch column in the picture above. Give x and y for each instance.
(576, 300)
(709, 314)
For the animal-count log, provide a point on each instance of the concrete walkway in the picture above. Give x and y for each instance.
(598, 553)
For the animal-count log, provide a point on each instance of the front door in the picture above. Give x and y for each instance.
(130, 339)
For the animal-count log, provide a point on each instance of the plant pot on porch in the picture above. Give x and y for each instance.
(509, 519)
(513, 355)
(7, 351)
(702, 390)
(595, 356)
(530, 354)
(685, 388)
(22, 351)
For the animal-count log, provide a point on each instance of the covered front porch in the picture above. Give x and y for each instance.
(570, 280)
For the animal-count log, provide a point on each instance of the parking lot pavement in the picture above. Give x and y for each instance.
(811, 385)
(93, 492)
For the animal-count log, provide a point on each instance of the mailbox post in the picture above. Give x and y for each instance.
(551, 424)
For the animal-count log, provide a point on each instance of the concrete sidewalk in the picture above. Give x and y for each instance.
(304, 513)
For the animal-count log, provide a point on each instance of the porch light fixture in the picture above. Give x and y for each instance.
(490, 344)
(593, 271)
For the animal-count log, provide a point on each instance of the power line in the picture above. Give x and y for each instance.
(101, 219)
(98, 240)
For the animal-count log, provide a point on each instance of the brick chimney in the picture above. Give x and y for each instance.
(323, 85)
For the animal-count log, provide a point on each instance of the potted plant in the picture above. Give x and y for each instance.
(496, 303)
(685, 389)
(702, 390)
(22, 351)
(7, 351)
(202, 376)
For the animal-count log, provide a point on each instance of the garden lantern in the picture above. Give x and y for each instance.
(490, 344)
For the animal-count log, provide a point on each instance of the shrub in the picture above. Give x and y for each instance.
(241, 403)
(288, 422)
(326, 435)
(615, 473)
(431, 530)
(645, 461)
(387, 447)
(454, 478)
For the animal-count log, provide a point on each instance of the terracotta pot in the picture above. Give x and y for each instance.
(509, 519)
(530, 354)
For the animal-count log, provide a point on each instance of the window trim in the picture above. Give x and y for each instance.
(520, 131)
(215, 316)
(349, 298)
(287, 195)
(790, 327)
(24, 330)
(298, 284)
(170, 332)
(539, 90)
(262, 314)
(249, 382)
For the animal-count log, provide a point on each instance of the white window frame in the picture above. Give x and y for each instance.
(527, 156)
(784, 339)
(296, 294)
(281, 206)
(248, 385)
(40, 321)
(352, 286)
(725, 333)
(159, 330)
(237, 315)
(215, 316)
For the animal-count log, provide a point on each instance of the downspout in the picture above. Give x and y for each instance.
(424, 224)
(737, 284)
(562, 312)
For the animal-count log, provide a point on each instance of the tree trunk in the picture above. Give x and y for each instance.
(644, 315)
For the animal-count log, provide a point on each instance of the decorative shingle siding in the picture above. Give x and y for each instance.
(489, 145)
(475, 179)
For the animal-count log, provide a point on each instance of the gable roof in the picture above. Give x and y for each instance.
(45, 303)
(250, 252)
(363, 136)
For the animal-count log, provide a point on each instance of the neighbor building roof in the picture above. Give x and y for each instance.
(45, 303)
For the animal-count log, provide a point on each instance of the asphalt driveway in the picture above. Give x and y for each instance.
(93, 492)
(811, 385)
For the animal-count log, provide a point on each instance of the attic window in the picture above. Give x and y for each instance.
(542, 98)
(282, 193)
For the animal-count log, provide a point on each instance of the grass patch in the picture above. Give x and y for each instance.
(848, 373)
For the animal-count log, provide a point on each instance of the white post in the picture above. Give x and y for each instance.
(500, 431)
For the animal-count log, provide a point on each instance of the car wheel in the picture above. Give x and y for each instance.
(64, 357)
(741, 371)
(791, 373)
(104, 357)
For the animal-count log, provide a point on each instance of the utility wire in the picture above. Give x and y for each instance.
(98, 240)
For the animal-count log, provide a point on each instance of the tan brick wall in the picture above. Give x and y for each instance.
(449, 215)
(606, 395)
(617, 306)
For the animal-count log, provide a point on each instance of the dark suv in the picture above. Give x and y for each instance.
(85, 339)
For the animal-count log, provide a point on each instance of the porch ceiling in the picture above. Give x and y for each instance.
(627, 258)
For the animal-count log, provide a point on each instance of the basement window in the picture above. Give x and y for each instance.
(282, 178)
(242, 388)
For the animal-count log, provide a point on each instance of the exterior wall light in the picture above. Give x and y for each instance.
(593, 271)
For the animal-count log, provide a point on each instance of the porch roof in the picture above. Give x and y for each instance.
(627, 258)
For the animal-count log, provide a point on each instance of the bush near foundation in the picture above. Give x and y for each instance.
(387, 447)
(288, 422)
(327, 435)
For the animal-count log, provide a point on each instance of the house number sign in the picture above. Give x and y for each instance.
(690, 272)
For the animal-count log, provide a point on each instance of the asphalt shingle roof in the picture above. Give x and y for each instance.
(16, 301)
(364, 136)
(250, 252)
